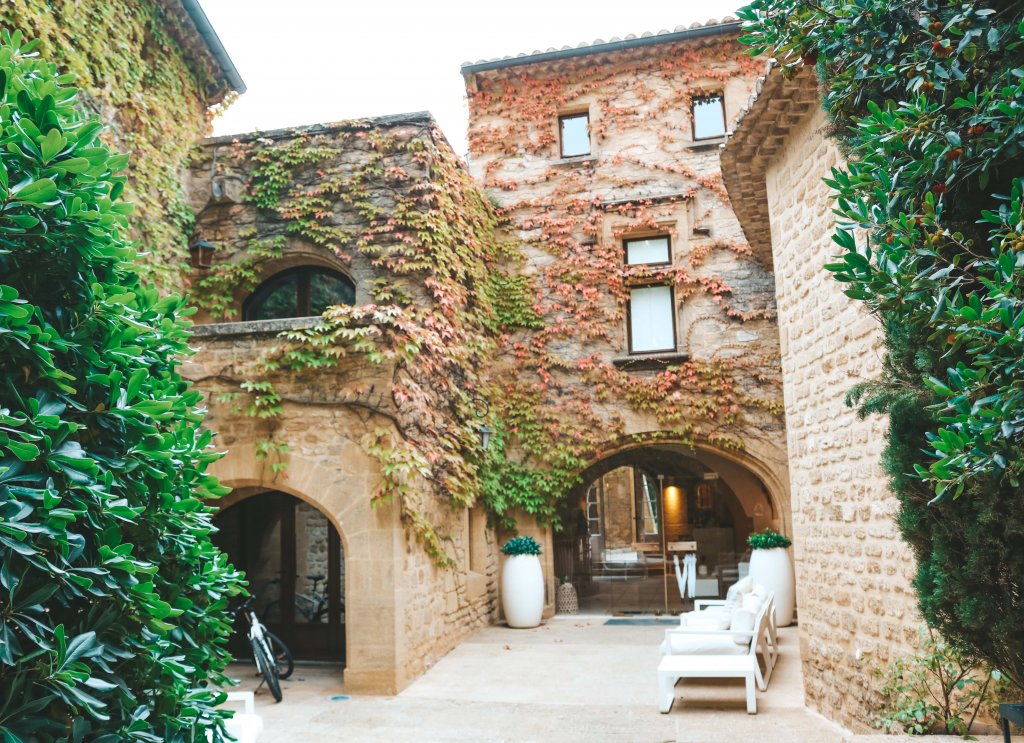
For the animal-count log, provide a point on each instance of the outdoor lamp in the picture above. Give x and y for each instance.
(201, 254)
(485, 436)
(485, 433)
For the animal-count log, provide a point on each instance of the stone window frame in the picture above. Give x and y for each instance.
(674, 313)
(636, 237)
(287, 270)
(572, 113)
(708, 95)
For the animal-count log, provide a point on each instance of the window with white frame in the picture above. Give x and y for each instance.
(652, 324)
(708, 116)
(594, 508)
(648, 250)
(652, 319)
(574, 134)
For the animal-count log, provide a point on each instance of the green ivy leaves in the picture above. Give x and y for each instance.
(112, 597)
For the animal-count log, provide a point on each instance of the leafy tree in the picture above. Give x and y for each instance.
(927, 101)
(112, 597)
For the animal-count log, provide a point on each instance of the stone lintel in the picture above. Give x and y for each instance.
(229, 330)
(650, 361)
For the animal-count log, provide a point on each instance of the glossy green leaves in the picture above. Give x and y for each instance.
(112, 597)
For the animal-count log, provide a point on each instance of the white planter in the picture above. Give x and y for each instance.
(774, 570)
(522, 591)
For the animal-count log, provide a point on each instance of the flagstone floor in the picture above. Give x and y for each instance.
(572, 679)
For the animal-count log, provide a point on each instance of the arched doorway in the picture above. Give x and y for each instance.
(295, 564)
(640, 510)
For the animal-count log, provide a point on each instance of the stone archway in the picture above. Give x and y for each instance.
(646, 503)
(369, 537)
(295, 565)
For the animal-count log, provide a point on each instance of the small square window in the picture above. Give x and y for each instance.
(575, 134)
(708, 116)
(652, 319)
(648, 250)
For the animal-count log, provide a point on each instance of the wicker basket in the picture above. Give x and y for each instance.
(566, 601)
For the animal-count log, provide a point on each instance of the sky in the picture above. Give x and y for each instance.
(315, 61)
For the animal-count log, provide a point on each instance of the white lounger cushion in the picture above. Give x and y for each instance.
(706, 619)
(742, 621)
(744, 585)
(706, 645)
(751, 602)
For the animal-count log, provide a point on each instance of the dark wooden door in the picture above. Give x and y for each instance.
(292, 556)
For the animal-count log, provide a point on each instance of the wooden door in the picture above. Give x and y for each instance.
(292, 557)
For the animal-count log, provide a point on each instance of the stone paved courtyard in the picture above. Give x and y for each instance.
(572, 679)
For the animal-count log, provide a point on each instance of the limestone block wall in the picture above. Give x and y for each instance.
(402, 612)
(442, 606)
(857, 605)
(645, 175)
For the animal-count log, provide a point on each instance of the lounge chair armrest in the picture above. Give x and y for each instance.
(701, 604)
(712, 632)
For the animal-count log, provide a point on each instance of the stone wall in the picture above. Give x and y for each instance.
(144, 68)
(645, 175)
(402, 612)
(857, 604)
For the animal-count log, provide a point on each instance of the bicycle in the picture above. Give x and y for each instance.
(273, 659)
(313, 606)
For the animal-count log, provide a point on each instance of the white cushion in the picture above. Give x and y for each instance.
(760, 591)
(705, 619)
(751, 602)
(703, 645)
(742, 620)
(744, 585)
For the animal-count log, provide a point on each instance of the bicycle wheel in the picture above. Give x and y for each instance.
(282, 655)
(267, 667)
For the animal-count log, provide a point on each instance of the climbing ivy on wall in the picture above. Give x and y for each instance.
(429, 235)
(927, 101)
(461, 313)
(561, 402)
(140, 70)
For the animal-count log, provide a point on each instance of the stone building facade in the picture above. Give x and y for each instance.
(604, 160)
(399, 611)
(154, 71)
(854, 573)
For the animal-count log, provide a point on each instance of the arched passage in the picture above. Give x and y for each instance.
(295, 564)
(640, 508)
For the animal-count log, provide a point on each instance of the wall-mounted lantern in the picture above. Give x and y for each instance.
(485, 436)
(485, 433)
(201, 254)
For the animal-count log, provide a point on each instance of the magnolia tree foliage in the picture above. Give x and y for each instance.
(112, 597)
(926, 101)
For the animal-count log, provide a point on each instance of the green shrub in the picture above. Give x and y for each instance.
(926, 100)
(936, 690)
(112, 597)
(767, 539)
(521, 546)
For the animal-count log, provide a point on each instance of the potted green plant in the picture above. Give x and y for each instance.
(771, 566)
(522, 583)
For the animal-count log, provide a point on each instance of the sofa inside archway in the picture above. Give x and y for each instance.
(640, 509)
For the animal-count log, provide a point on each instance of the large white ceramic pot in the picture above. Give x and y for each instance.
(773, 569)
(522, 591)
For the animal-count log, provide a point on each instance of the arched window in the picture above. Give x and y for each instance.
(299, 292)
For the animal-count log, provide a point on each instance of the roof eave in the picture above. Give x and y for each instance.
(214, 44)
(610, 46)
(778, 105)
